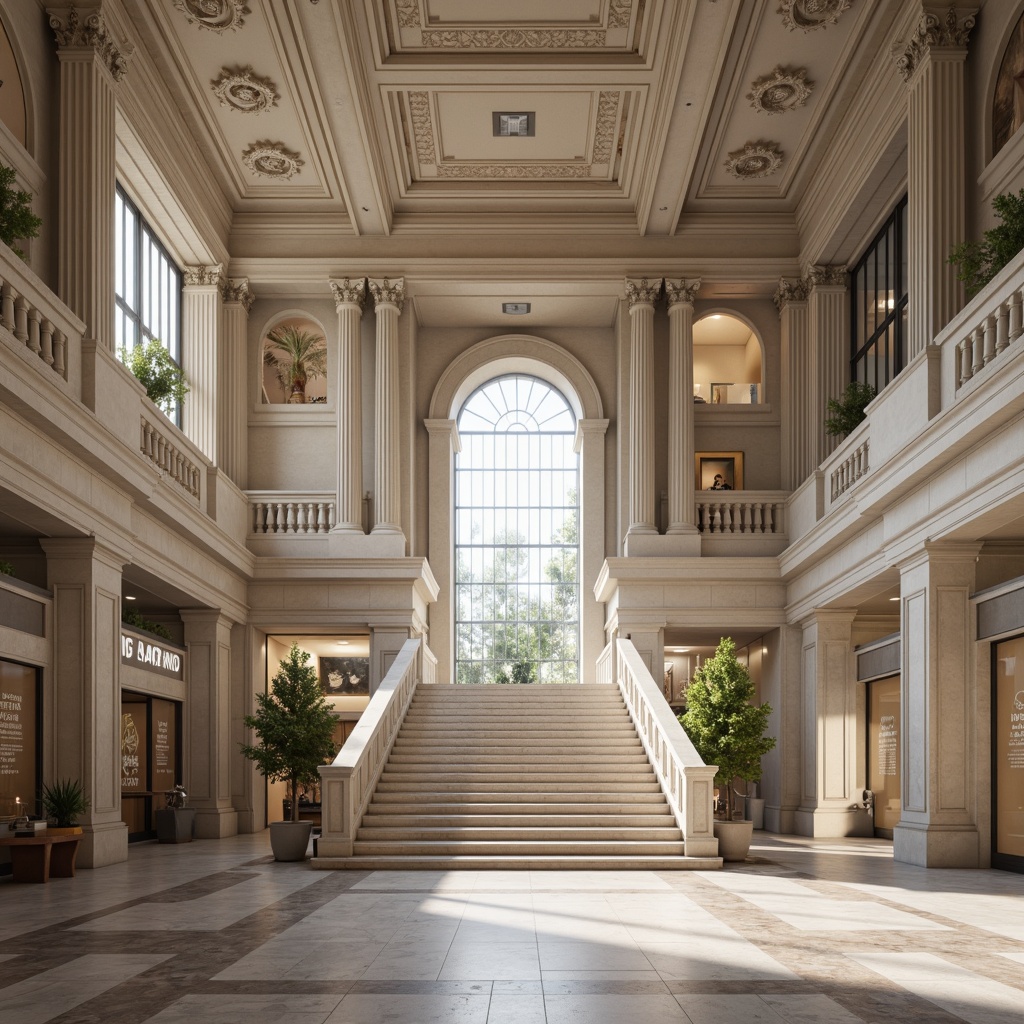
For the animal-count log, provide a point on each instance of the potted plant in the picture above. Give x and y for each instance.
(164, 380)
(16, 217)
(63, 801)
(294, 724)
(979, 262)
(847, 412)
(295, 356)
(727, 731)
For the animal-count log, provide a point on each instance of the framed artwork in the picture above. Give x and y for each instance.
(718, 471)
(345, 677)
(720, 393)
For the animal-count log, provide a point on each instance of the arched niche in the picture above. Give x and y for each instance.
(13, 101)
(281, 383)
(1008, 98)
(728, 360)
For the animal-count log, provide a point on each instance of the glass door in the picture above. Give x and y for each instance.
(1008, 755)
(884, 752)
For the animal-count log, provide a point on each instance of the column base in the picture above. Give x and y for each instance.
(936, 846)
(638, 545)
(366, 545)
(216, 822)
(832, 823)
(103, 844)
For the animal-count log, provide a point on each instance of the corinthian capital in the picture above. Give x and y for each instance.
(938, 26)
(237, 290)
(202, 275)
(387, 291)
(640, 292)
(681, 290)
(88, 30)
(347, 292)
(819, 275)
(789, 290)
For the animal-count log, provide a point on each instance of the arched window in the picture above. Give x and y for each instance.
(516, 535)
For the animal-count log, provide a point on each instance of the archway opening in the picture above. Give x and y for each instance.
(728, 368)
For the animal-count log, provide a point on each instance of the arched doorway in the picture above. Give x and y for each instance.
(516, 535)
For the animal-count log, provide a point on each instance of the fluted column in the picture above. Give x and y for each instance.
(388, 297)
(200, 320)
(932, 65)
(681, 511)
(91, 62)
(791, 302)
(233, 397)
(348, 298)
(641, 296)
(829, 327)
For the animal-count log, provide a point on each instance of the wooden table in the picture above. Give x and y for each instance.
(37, 858)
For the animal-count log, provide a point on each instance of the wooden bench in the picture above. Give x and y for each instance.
(37, 858)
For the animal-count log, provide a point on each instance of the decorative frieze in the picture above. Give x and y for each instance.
(808, 15)
(826, 275)
(618, 13)
(780, 90)
(681, 290)
(604, 132)
(408, 13)
(202, 275)
(73, 30)
(388, 292)
(755, 160)
(347, 292)
(422, 127)
(934, 29)
(238, 290)
(216, 15)
(789, 290)
(243, 90)
(513, 171)
(642, 291)
(514, 39)
(271, 160)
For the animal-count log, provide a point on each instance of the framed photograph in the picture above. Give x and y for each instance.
(718, 471)
(720, 393)
(345, 677)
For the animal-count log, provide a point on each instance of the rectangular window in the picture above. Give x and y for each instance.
(147, 285)
(878, 308)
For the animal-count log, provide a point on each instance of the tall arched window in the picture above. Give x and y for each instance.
(516, 536)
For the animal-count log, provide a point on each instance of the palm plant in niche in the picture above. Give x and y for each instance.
(295, 356)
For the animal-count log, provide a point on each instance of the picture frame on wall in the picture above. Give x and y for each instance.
(345, 677)
(720, 393)
(718, 471)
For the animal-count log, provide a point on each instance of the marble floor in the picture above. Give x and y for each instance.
(805, 931)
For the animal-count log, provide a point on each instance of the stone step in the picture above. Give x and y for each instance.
(533, 785)
(508, 848)
(528, 759)
(517, 862)
(526, 773)
(381, 818)
(484, 802)
(514, 836)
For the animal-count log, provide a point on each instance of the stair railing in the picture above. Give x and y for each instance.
(688, 783)
(347, 784)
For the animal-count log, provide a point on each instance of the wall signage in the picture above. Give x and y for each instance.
(18, 725)
(153, 655)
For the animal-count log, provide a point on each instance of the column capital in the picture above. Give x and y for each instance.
(642, 291)
(789, 290)
(938, 27)
(445, 428)
(88, 31)
(348, 293)
(202, 275)
(388, 292)
(681, 290)
(236, 289)
(825, 276)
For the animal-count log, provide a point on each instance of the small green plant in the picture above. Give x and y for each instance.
(523, 672)
(847, 412)
(725, 727)
(159, 374)
(16, 217)
(130, 617)
(6, 568)
(979, 262)
(295, 727)
(64, 801)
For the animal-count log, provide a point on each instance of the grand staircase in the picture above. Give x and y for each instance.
(519, 777)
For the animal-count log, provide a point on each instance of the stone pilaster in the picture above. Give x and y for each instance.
(444, 446)
(388, 298)
(200, 328)
(233, 399)
(589, 446)
(91, 63)
(641, 296)
(828, 315)
(791, 302)
(85, 577)
(829, 734)
(208, 713)
(932, 65)
(348, 298)
(938, 819)
(681, 511)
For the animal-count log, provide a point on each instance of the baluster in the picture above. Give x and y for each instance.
(280, 519)
(59, 353)
(990, 340)
(744, 518)
(964, 362)
(1002, 327)
(21, 319)
(321, 517)
(977, 345)
(33, 332)
(726, 517)
(143, 437)
(46, 330)
(257, 513)
(7, 295)
(769, 519)
(330, 516)
(1014, 327)
(758, 517)
(300, 517)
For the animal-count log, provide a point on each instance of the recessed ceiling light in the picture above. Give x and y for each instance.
(129, 597)
(342, 643)
(515, 308)
(716, 316)
(680, 650)
(893, 598)
(510, 125)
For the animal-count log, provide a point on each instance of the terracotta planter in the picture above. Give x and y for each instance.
(70, 830)
(734, 839)
(290, 839)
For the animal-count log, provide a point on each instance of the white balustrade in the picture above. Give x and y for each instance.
(996, 327)
(741, 512)
(288, 513)
(162, 451)
(849, 471)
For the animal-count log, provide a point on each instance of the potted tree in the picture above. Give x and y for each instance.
(164, 380)
(63, 801)
(727, 731)
(295, 356)
(295, 728)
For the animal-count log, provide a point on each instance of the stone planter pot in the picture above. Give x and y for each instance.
(734, 839)
(175, 824)
(290, 839)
